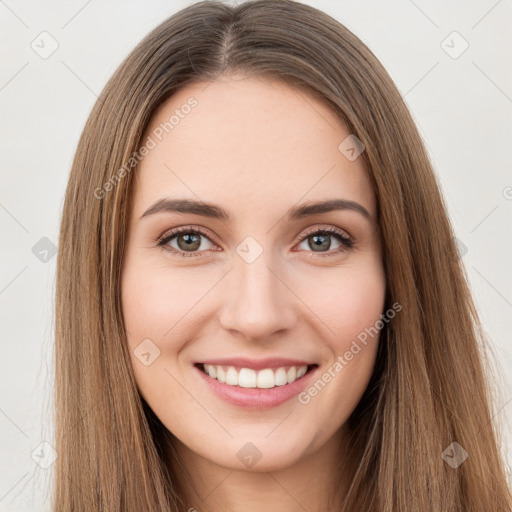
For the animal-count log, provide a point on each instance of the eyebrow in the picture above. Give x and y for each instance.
(216, 212)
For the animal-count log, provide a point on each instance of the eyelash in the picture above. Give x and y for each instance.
(345, 240)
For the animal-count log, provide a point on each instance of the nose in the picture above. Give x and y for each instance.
(259, 302)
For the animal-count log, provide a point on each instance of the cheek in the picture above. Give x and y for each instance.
(351, 310)
(156, 300)
(347, 302)
(156, 306)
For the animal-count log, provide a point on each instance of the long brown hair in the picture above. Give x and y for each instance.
(430, 387)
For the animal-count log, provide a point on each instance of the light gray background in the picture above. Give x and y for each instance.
(463, 107)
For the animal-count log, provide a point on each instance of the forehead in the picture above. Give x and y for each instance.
(242, 141)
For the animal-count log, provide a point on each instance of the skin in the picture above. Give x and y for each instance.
(256, 148)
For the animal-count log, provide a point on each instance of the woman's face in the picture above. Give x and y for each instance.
(251, 285)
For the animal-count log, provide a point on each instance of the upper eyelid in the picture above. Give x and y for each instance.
(324, 227)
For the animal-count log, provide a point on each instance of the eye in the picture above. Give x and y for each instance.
(319, 240)
(188, 241)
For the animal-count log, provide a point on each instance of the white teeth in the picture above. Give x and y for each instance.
(221, 374)
(281, 377)
(301, 371)
(266, 379)
(232, 376)
(291, 375)
(249, 378)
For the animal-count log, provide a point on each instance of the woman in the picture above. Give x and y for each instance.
(259, 300)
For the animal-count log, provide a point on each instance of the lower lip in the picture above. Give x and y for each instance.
(256, 398)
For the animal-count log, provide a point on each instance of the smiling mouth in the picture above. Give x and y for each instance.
(265, 378)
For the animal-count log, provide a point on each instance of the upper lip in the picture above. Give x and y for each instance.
(257, 364)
